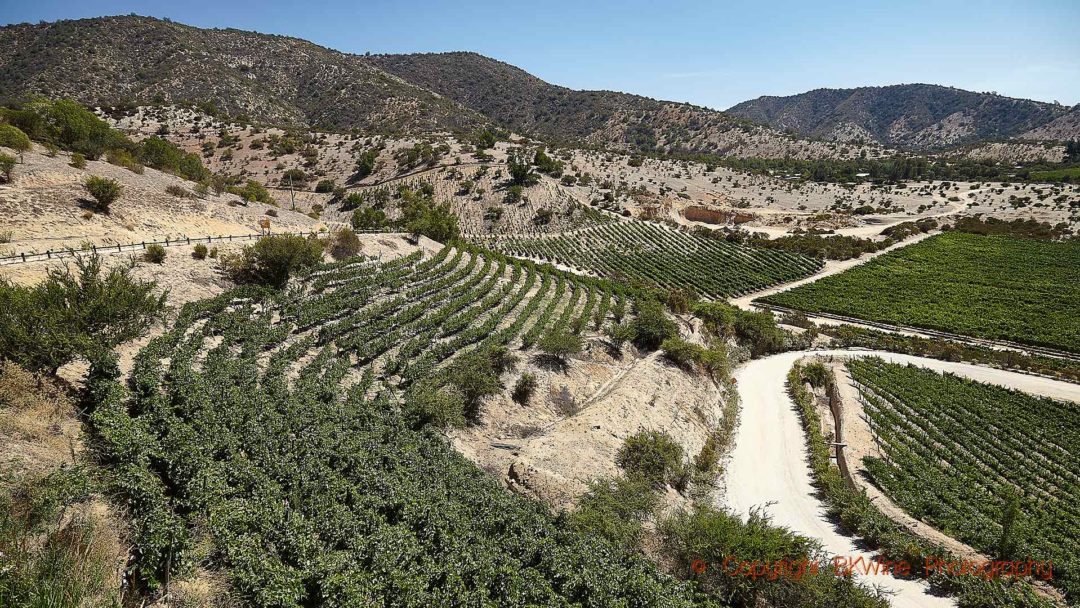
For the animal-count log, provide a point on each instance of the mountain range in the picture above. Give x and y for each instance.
(911, 115)
(288, 81)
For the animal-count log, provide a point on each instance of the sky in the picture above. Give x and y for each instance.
(714, 54)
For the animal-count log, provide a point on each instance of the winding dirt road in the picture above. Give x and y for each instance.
(768, 466)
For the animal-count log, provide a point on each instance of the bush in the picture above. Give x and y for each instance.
(758, 331)
(618, 334)
(524, 388)
(122, 158)
(68, 125)
(324, 186)
(154, 254)
(615, 509)
(72, 314)
(104, 190)
(681, 353)
(344, 244)
(654, 457)
(7, 166)
(428, 404)
(651, 326)
(78, 160)
(273, 259)
(199, 252)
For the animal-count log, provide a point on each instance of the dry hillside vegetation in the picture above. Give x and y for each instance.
(48, 208)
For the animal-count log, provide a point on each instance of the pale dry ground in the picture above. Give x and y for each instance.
(768, 466)
(47, 208)
(571, 430)
(774, 204)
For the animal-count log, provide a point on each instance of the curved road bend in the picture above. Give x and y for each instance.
(768, 463)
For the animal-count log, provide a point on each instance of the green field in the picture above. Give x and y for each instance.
(955, 450)
(997, 288)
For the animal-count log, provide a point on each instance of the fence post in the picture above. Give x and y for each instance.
(48, 254)
(24, 257)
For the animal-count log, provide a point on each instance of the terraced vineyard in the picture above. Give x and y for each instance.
(996, 288)
(653, 254)
(284, 429)
(955, 449)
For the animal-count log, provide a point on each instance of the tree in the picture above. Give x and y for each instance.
(273, 259)
(560, 344)
(13, 137)
(367, 218)
(436, 222)
(7, 166)
(365, 164)
(104, 190)
(521, 173)
(74, 313)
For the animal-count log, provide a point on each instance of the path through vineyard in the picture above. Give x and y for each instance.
(768, 466)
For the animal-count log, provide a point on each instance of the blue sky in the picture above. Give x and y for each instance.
(710, 53)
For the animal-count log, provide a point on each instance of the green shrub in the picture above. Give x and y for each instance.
(7, 166)
(615, 509)
(273, 259)
(758, 331)
(651, 326)
(68, 125)
(155, 254)
(74, 313)
(78, 160)
(619, 333)
(654, 457)
(104, 190)
(122, 158)
(324, 186)
(524, 388)
(344, 243)
(199, 252)
(428, 404)
(252, 191)
(682, 353)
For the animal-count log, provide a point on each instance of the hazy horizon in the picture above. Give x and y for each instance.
(697, 52)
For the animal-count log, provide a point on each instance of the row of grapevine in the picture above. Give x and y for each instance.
(998, 288)
(655, 254)
(956, 450)
(272, 424)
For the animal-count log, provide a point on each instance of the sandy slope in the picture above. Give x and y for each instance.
(768, 463)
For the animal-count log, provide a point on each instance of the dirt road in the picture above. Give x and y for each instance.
(768, 463)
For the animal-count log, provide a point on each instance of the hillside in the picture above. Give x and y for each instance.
(910, 115)
(520, 101)
(272, 79)
(279, 80)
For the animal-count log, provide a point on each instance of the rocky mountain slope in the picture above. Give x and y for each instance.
(520, 101)
(273, 79)
(281, 80)
(910, 115)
